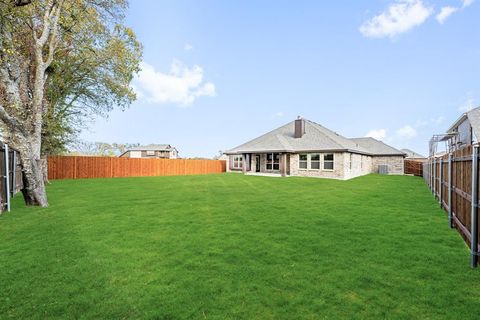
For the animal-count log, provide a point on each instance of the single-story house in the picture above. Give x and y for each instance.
(159, 151)
(305, 148)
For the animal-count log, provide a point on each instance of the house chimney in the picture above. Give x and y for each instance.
(299, 127)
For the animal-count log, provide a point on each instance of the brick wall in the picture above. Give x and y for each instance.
(394, 163)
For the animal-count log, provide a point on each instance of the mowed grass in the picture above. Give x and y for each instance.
(232, 246)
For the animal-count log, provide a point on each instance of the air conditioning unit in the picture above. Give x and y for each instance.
(383, 168)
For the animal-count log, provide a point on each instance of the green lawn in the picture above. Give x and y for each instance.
(234, 246)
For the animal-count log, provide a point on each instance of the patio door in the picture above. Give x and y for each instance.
(257, 163)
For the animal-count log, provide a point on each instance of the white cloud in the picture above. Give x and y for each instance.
(400, 17)
(445, 12)
(467, 3)
(467, 106)
(187, 47)
(181, 85)
(378, 134)
(438, 120)
(407, 131)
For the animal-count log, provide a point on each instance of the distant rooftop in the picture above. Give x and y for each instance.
(152, 147)
(412, 154)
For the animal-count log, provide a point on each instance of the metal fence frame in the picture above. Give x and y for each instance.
(10, 174)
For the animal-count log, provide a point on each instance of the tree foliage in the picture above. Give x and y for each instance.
(89, 79)
(61, 62)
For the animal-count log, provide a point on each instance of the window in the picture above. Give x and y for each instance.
(303, 161)
(328, 161)
(237, 162)
(310, 161)
(273, 161)
(315, 161)
(150, 153)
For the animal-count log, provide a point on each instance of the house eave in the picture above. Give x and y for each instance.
(315, 150)
(462, 118)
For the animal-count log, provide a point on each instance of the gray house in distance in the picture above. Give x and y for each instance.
(305, 148)
(465, 131)
(159, 151)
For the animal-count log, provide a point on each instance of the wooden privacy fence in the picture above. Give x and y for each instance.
(11, 176)
(413, 167)
(73, 167)
(453, 179)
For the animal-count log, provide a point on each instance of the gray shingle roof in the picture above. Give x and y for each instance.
(316, 138)
(377, 147)
(473, 117)
(412, 154)
(152, 147)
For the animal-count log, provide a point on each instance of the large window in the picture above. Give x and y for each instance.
(328, 161)
(273, 161)
(237, 162)
(304, 161)
(316, 161)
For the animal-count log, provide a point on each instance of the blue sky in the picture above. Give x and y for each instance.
(219, 73)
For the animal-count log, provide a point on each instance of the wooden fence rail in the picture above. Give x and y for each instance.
(73, 167)
(453, 180)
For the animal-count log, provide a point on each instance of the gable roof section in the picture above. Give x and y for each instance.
(378, 148)
(412, 154)
(152, 147)
(473, 117)
(316, 138)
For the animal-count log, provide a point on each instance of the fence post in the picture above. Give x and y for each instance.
(14, 174)
(440, 176)
(450, 210)
(430, 168)
(434, 177)
(474, 226)
(75, 167)
(7, 177)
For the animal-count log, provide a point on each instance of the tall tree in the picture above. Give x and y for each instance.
(55, 69)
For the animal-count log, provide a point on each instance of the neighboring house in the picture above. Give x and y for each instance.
(305, 148)
(412, 155)
(164, 151)
(465, 131)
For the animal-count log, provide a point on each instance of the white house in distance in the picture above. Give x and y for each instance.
(158, 151)
(305, 148)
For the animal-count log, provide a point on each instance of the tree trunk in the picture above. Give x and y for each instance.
(34, 192)
(44, 164)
